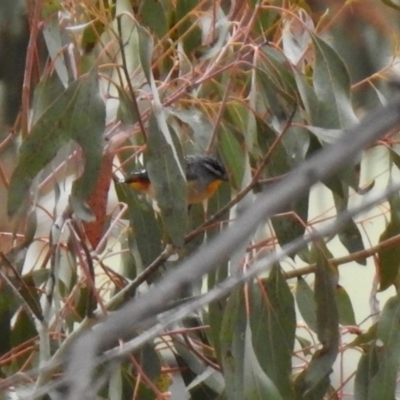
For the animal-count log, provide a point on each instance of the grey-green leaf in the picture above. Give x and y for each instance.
(166, 174)
(383, 384)
(77, 114)
(257, 384)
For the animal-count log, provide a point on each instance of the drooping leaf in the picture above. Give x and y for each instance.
(126, 112)
(314, 380)
(383, 384)
(296, 36)
(216, 310)
(77, 114)
(367, 368)
(233, 331)
(277, 84)
(189, 33)
(332, 87)
(308, 98)
(345, 308)
(154, 16)
(232, 155)
(149, 360)
(165, 161)
(145, 228)
(257, 384)
(145, 52)
(87, 128)
(349, 234)
(306, 303)
(55, 39)
(351, 238)
(48, 89)
(167, 176)
(389, 257)
(273, 325)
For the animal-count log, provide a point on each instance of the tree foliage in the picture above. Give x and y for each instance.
(112, 86)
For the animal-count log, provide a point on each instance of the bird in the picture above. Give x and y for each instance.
(203, 173)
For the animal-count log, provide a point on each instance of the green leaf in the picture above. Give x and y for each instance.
(277, 85)
(126, 110)
(332, 87)
(48, 89)
(149, 360)
(145, 52)
(91, 34)
(164, 165)
(77, 114)
(242, 120)
(55, 39)
(23, 330)
(189, 33)
(351, 238)
(257, 384)
(167, 176)
(232, 155)
(273, 326)
(154, 16)
(233, 331)
(349, 235)
(308, 98)
(345, 308)
(214, 319)
(383, 384)
(389, 257)
(315, 379)
(145, 228)
(86, 128)
(326, 278)
(366, 370)
(29, 293)
(306, 303)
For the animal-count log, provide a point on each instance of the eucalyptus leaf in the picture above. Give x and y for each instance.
(273, 326)
(389, 257)
(383, 384)
(257, 384)
(77, 114)
(332, 86)
(314, 380)
(233, 331)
